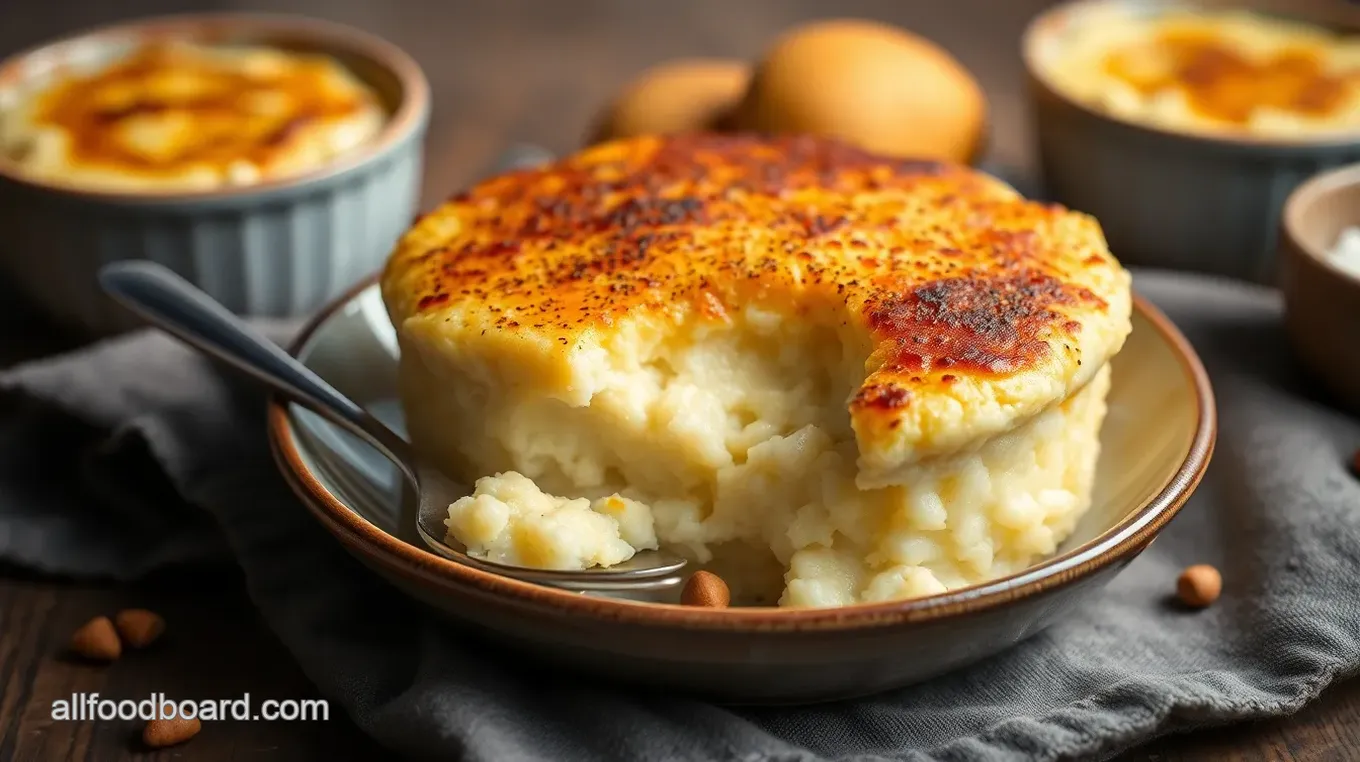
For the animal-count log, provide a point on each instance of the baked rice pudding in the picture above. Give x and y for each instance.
(180, 116)
(1218, 72)
(879, 378)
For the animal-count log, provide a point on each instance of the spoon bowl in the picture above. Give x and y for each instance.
(175, 306)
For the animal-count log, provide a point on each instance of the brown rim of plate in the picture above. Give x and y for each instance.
(1050, 22)
(1309, 192)
(1116, 544)
(266, 28)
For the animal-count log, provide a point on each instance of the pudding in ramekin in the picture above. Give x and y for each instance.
(1211, 72)
(185, 116)
(270, 160)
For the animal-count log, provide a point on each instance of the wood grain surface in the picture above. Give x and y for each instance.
(501, 71)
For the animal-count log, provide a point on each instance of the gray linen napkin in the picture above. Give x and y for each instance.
(161, 442)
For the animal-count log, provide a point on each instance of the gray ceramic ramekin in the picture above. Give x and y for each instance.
(1170, 199)
(277, 249)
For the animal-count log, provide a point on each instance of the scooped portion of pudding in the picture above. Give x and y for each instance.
(509, 520)
(886, 376)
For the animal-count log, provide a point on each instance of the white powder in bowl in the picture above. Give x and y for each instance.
(1345, 253)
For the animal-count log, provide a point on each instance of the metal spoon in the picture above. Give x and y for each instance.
(173, 305)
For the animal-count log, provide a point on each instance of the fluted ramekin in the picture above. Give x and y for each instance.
(1175, 199)
(278, 249)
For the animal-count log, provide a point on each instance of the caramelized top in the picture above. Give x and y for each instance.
(167, 109)
(1214, 72)
(957, 281)
(1222, 81)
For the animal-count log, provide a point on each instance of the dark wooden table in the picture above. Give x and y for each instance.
(502, 71)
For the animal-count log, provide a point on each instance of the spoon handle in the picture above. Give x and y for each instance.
(174, 305)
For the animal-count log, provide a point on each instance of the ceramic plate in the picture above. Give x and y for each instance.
(1148, 466)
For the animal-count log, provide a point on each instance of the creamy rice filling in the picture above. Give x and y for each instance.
(734, 447)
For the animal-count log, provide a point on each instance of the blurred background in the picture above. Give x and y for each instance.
(540, 70)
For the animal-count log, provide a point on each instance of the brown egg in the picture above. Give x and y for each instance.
(678, 96)
(872, 84)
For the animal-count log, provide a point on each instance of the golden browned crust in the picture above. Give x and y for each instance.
(654, 223)
(1222, 82)
(217, 101)
(953, 275)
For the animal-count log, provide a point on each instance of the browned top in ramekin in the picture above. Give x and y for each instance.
(1052, 22)
(382, 66)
